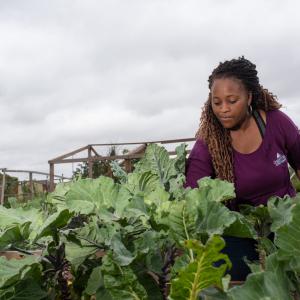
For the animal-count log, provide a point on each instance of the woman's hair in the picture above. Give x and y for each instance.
(212, 132)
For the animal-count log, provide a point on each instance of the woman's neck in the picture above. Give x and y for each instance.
(243, 126)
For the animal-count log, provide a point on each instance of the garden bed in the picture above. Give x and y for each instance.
(144, 236)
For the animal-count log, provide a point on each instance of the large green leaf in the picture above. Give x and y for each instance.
(80, 206)
(53, 223)
(10, 235)
(201, 272)
(13, 270)
(96, 234)
(24, 290)
(95, 282)
(259, 217)
(287, 238)
(62, 188)
(272, 284)
(177, 189)
(101, 191)
(17, 225)
(151, 287)
(157, 198)
(241, 227)
(213, 217)
(143, 183)
(158, 162)
(77, 254)
(198, 215)
(216, 189)
(121, 255)
(9, 216)
(280, 211)
(181, 224)
(118, 172)
(180, 159)
(85, 195)
(168, 172)
(147, 249)
(121, 282)
(122, 201)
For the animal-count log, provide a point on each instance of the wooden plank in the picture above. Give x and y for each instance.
(71, 160)
(128, 165)
(94, 151)
(3, 186)
(68, 154)
(150, 142)
(63, 158)
(95, 158)
(101, 158)
(139, 150)
(34, 172)
(51, 172)
(178, 141)
(31, 185)
(90, 162)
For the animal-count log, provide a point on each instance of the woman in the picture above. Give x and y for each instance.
(244, 138)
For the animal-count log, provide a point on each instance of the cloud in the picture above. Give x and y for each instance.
(74, 72)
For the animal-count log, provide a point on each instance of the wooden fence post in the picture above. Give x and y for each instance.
(128, 165)
(90, 162)
(3, 186)
(51, 173)
(31, 185)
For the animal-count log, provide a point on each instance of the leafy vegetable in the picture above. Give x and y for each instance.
(134, 237)
(201, 272)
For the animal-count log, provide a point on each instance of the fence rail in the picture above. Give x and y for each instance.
(93, 155)
(31, 181)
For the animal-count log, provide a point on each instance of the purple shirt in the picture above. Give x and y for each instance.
(262, 173)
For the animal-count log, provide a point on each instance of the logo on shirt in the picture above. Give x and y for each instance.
(280, 159)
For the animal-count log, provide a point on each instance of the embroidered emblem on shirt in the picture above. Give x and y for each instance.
(280, 159)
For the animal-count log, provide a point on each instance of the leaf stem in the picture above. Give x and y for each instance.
(91, 242)
(186, 233)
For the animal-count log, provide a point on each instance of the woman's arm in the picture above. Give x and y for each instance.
(291, 135)
(199, 164)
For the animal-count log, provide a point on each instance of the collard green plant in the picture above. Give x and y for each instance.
(272, 284)
(201, 272)
(125, 239)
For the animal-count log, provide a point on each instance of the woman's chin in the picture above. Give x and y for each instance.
(231, 125)
(227, 123)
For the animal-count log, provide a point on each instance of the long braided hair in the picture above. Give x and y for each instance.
(211, 130)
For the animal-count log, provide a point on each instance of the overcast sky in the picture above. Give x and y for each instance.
(80, 72)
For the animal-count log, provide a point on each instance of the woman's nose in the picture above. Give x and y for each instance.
(224, 107)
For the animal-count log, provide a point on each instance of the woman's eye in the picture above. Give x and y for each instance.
(232, 101)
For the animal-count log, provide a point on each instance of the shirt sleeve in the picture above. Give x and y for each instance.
(292, 141)
(199, 164)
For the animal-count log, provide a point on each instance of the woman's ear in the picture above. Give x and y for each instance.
(249, 98)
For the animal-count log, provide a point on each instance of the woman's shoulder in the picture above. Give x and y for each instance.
(282, 126)
(281, 120)
(199, 149)
(200, 144)
(278, 115)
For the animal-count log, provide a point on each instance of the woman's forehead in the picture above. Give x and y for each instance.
(228, 86)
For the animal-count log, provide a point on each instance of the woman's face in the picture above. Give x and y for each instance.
(230, 101)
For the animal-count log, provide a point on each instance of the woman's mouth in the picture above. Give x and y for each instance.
(225, 118)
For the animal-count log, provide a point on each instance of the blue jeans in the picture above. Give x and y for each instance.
(237, 249)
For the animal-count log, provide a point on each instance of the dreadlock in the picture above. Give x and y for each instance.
(211, 130)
